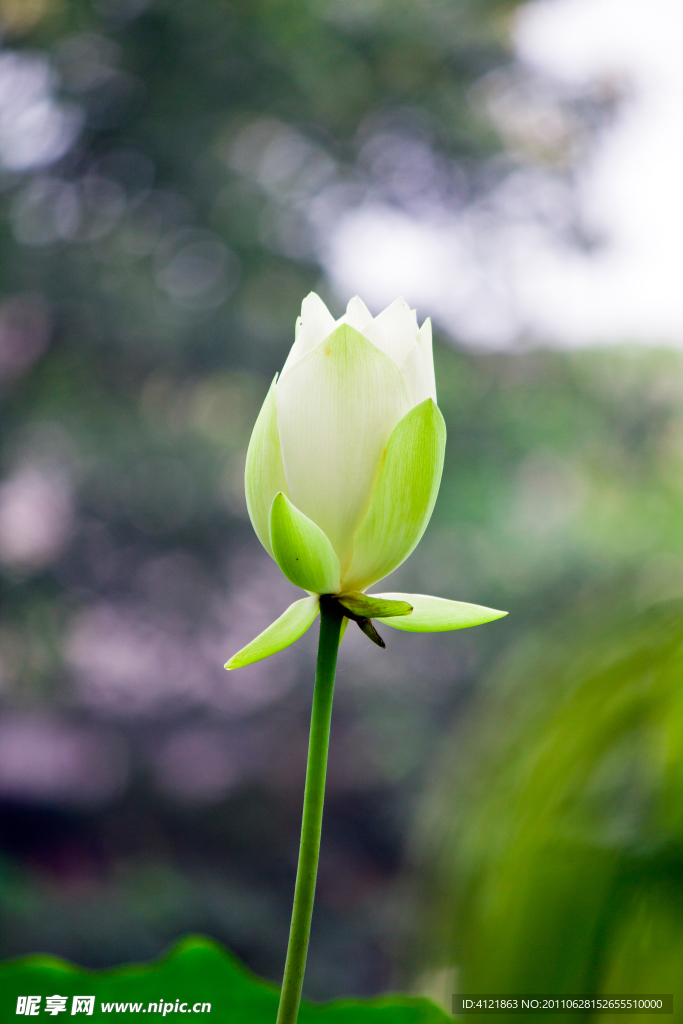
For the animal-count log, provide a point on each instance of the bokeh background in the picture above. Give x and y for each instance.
(504, 803)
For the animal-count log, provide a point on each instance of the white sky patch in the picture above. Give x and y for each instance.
(491, 275)
(631, 190)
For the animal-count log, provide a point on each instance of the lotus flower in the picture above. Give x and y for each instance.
(343, 470)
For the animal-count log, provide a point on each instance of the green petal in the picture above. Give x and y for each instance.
(436, 614)
(264, 474)
(336, 410)
(280, 634)
(403, 499)
(301, 549)
(373, 607)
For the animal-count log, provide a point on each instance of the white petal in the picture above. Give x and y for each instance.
(394, 330)
(336, 410)
(424, 337)
(313, 326)
(357, 314)
(418, 367)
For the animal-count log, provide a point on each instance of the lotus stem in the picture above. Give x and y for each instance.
(331, 618)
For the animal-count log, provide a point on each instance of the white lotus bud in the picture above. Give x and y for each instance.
(329, 439)
(344, 466)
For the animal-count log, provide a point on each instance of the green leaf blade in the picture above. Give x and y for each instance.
(292, 624)
(403, 500)
(437, 615)
(301, 549)
(195, 971)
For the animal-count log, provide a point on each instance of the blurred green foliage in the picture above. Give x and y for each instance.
(563, 469)
(558, 821)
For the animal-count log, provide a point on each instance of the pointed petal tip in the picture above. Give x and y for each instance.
(314, 312)
(495, 613)
(357, 313)
(313, 297)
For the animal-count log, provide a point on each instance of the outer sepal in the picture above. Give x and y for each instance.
(370, 631)
(436, 614)
(362, 606)
(292, 624)
(301, 549)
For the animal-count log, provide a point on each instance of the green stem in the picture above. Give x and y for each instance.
(314, 796)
